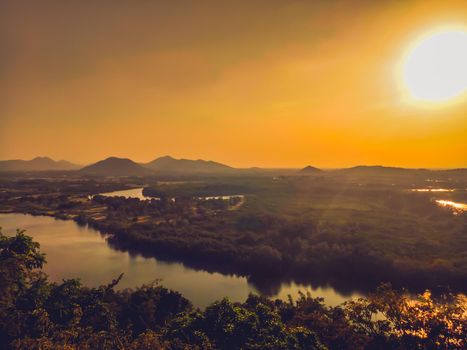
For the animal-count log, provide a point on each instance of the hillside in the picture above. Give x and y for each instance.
(168, 164)
(379, 169)
(36, 164)
(114, 166)
(310, 170)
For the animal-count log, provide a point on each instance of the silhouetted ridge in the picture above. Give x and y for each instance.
(36, 164)
(114, 166)
(310, 170)
(380, 169)
(168, 164)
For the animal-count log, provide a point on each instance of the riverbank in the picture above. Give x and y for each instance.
(286, 231)
(70, 314)
(174, 232)
(80, 251)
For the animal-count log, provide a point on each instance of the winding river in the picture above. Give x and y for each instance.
(79, 251)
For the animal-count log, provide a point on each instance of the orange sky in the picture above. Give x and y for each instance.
(248, 83)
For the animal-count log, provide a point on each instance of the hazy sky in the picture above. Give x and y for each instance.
(248, 83)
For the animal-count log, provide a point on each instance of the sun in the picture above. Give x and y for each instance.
(435, 68)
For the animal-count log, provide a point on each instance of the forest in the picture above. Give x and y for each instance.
(350, 232)
(37, 314)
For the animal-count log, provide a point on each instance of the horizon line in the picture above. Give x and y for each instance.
(248, 167)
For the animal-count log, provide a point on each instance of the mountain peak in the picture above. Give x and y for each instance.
(36, 164)
(116, 159)
(114, 166)
(167, 157)
(168, 164)
(310, 169)
(39, 158)
(381, 169)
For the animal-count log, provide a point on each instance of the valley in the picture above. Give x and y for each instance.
(349, 229)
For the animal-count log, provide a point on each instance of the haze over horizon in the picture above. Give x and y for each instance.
(143, 162)
(247, 83)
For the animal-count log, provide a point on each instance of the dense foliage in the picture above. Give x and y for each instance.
(37, 314)
(353, 232)
(361, 251)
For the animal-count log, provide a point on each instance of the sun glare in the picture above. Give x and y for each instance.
(435, 68)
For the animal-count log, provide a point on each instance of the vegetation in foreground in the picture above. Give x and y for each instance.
(37, 314)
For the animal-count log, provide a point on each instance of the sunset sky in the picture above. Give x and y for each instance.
(247, 83)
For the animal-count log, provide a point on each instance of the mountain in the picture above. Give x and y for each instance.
(379, 169)
(36, 164)
(168, 164)
(114, 166)
(310, 170)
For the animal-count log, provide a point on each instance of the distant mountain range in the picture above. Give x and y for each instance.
(379, 169)
(168, 164)
(36, 164)
(163, 165)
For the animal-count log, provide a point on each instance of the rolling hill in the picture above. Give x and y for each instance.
(310, 170)
(36, 164)
(168, 164)
(380, 170)
(114, 166)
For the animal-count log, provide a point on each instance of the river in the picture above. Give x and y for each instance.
(75, 251)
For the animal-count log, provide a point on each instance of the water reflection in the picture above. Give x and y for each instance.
(138, 193)
(456, 207)
(79, 251)
(432, 190)
(131, 193)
